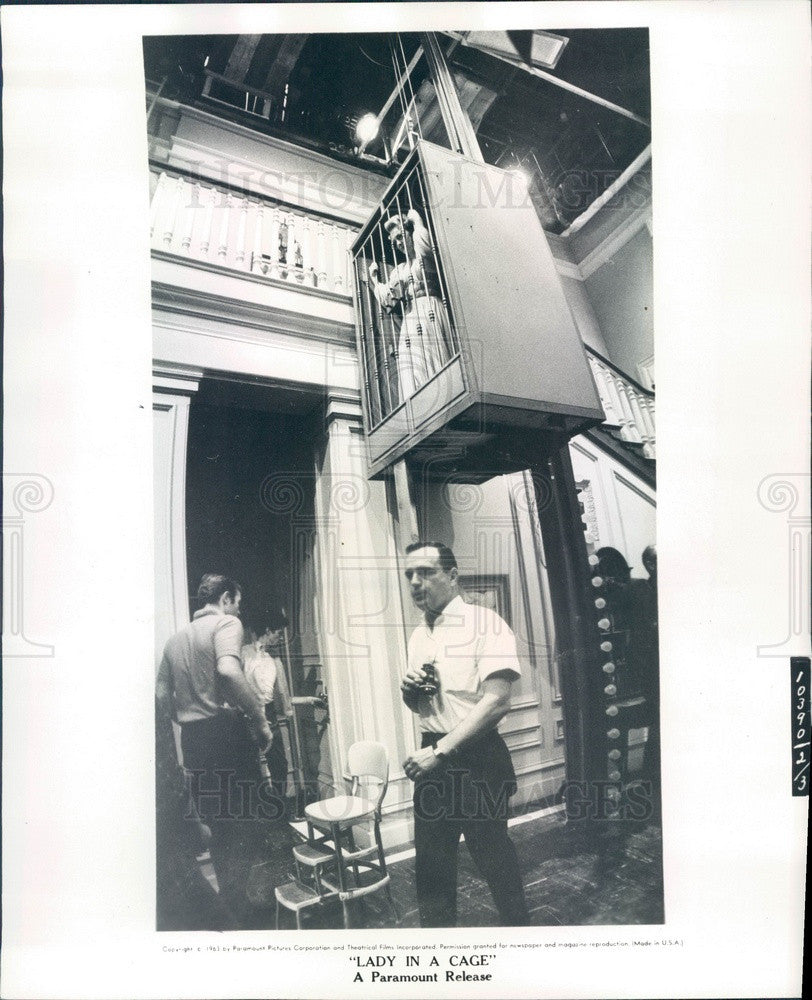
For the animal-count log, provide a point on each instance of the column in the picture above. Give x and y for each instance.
(171, 398)
(361, 627)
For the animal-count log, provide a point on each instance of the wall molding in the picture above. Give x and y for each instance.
(176, 379)
(179, 299)
(618, 238)
(261, 279)
(568, 269)
(608, 247)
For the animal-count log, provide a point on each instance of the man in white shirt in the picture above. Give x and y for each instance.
(463, 773)
(266, 675)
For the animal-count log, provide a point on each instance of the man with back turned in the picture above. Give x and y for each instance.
(463, 773)
(201, 682)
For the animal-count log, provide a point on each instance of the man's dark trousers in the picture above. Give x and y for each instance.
(225, 784)
(466, 795)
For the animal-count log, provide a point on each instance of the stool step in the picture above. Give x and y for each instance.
(309, 855)
(295, 896)
(364, 890)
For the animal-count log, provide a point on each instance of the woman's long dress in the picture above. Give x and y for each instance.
(411, 293)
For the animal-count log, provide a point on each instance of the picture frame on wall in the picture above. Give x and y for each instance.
(491, 590)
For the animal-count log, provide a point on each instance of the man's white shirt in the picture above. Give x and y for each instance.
(467, 644)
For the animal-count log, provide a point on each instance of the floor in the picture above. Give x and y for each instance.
(568, 879)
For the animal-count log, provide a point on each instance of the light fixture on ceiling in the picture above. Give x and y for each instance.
(521, 175)
(367, 128)
(536, 49)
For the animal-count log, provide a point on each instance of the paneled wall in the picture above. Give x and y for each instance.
(493, 530)
(620, 508)
(620, 292)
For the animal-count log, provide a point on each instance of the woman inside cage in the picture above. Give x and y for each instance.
(412, 292)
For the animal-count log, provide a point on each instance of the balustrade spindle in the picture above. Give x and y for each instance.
(177, 199)
(285, 246)
(242, 226)
(621, 418)
(321, 255)
(190, 214)
(308, 254)
(349, 237)
(650, 412)
(650, 436)
(157, 199)
(208, 222)
(609, 397)
(637, 417)
(273, 269)
(296, 272)
(222, 247)
(256, 259)
(629, 430)
(338, 271)
(616, 403)
(288, 271)
(634, 403)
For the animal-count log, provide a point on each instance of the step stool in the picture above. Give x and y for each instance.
(296, 897)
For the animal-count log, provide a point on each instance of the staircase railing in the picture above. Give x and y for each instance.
(627, 405)
(220, 225)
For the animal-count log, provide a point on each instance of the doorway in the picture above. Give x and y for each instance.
(249, 492)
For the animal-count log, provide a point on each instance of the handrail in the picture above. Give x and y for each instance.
(619, 371)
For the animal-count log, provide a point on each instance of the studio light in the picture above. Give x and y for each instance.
(367, 128)
(521, 176)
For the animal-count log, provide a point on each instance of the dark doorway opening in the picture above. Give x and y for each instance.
(250, 501)
(238, 514)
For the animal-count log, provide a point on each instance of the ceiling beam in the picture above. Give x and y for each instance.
(241, 55)
(400, 84)
(457, 123)
(282, 65)
(461, 38)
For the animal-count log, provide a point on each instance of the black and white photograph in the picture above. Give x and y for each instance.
(405, 433)
(406, 536)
